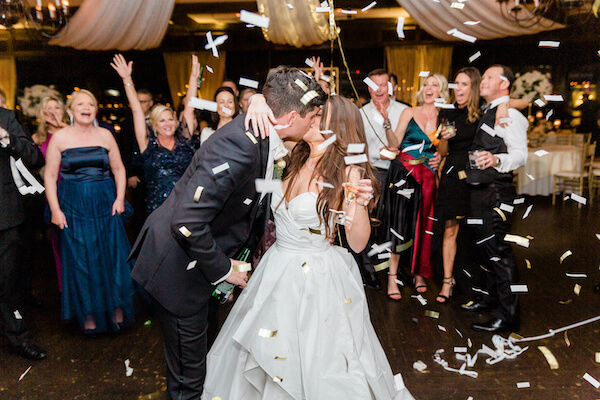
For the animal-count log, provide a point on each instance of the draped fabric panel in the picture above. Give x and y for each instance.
(407, 61)
(438, 18)
(8, 80)
(300, 26)
(117, 24)
(179, 65)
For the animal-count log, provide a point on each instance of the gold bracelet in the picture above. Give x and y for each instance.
(128, 84)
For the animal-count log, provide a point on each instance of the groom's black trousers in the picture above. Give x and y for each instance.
(184, 345)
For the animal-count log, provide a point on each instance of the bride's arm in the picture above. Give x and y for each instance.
(359, 229)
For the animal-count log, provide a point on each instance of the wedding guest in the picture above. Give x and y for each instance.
(492, 185)
(408, 216)
(227, 109)
(16, 144)
(380, 118)
(244, 97)
(87, 205)
(319, 77)
(166, 150)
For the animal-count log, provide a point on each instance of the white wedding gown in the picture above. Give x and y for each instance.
(301, 328)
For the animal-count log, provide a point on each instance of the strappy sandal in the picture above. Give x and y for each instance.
(446, 281)
(395, 293)
(417, 287)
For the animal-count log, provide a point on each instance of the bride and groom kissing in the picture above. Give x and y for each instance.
(301, 328)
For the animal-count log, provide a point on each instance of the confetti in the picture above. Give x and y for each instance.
(191, 265)
(565, 302)
(591, 380)
(474, 56)
(567, 341)
(540, 103)
(305, 268)
(507, 207)
(523, 385)
(419, 366)
(358, 159)
(530, 176)
(471, 22)
(500, 213)
(369, 82)
(349, 12)
(541, 153)
(220, 168)
(577, 289)
(488, 129)
(519, 288)
(549, 114)
(406, 192)
(460, 35)
(484, 292)
(308, 96)
(419, 297)
(460, 349)
(474, 221)
(301, 84)
(459, 6)
(277, 379)
(367, 8)
(597, 357)
(553, 97)
(267, 185)
(325, 184)
(396, 234)
(527, 211)
(212, 44)
(202, 104)
(442, 328)
(462, 175)
(128, 369)
(327, 142)
(25, 373)
(323, 9)
(309, 62)
(467, 273)
(249, 83)
(444, 105)
(423, 74)
(245, 267)
(565, 255)
(527, 264)
(251, 137)
(208, 67)
(400, 28)
(432, 314)
(356, 148)
(290, 6)
(576, 275)
(378, 248)
(254, 19)
(578, 198)
(387, 153)
(598, 236)
(384, 256)
(248, 201)
(266, 333)
(549, 43)
(347, 301)
(519, 201)
(185, 231)
(277, 127)
(485, 239)
(521, 241)
(452, 86)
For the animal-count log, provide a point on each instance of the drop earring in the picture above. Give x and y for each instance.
(71, 119)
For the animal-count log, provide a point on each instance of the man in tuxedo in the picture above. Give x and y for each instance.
(500, 151)
(14, 143)
(188, 245)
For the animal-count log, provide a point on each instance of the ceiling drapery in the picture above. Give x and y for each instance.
(437, 18)
(117, 24)
(299, 26)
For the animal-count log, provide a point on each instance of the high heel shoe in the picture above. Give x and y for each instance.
(397, 294)
(417, 287)
(446, 281)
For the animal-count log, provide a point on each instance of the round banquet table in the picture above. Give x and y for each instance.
(542, 169)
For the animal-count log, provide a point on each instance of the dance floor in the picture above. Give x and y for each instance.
(80, 368)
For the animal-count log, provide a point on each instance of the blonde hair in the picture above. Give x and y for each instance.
(442, 81)
(41, 134)
(155, 113)
(74, 95)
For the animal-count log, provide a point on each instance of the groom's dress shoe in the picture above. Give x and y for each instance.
(478, 306)
(495, 325)
(30, 351)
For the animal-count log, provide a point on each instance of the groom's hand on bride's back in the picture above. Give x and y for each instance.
(238, 278)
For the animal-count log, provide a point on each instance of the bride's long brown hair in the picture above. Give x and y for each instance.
(347, 124)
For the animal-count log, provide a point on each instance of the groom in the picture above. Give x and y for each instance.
(187, 245)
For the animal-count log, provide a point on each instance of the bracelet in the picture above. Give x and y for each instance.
(128, 84)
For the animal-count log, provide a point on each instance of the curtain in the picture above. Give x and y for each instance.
(299, 26)
(179, 65)
(117, 24)
(437, 18)
(407, 61)
(8, 80)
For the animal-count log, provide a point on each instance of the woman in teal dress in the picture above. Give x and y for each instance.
(87, 205)
(410, 187)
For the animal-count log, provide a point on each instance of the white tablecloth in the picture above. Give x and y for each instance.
(542, 169)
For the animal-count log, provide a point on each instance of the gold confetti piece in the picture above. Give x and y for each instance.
(577, 289)
(311, 231)
(529, 237)
(266, 333)
(245, 267)
(549, 356)
(347, 301)
(528, 264)
(306, 268)
(216, 398)
(404, 246)
(469, 342)
(565, 255)
(432, 314)
(381, 266)
(484, 268)
(567, 341)
(277, 379)
(308, 96)
(280, 358)
(391, 185)
(516, 336)
(462, 175)
(566, 302)
(501, 213)
(185, 231)
(198, 193)
(597, 357)
(251, 137)
(301, 84)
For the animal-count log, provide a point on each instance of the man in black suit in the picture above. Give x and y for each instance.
(13, 143)
(188, 245)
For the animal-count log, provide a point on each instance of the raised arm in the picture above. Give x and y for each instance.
(124, 69)
(188, 112)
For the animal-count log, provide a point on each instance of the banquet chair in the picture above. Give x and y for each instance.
(574, 181)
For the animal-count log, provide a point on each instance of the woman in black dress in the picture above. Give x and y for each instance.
(453, 201)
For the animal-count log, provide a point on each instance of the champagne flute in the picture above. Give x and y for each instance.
(353, 177)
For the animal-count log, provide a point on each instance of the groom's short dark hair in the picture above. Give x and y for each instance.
(289, 89)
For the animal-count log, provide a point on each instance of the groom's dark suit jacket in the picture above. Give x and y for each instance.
(186, 243)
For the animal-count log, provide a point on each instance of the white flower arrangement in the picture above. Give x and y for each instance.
(531, 86)
(32, 96)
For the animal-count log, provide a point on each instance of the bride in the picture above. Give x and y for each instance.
(301, 328)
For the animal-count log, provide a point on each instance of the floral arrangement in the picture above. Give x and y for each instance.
(32, 96)
(531, 86)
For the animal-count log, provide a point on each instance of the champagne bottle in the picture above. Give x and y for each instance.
(224, 289)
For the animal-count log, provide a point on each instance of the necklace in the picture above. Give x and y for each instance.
(311, 169)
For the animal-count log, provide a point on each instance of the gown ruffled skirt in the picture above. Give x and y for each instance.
(301, 328)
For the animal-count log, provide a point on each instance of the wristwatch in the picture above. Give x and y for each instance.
(498, 161)
(387, 124)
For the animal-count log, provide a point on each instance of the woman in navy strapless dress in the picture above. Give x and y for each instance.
(87, 205)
